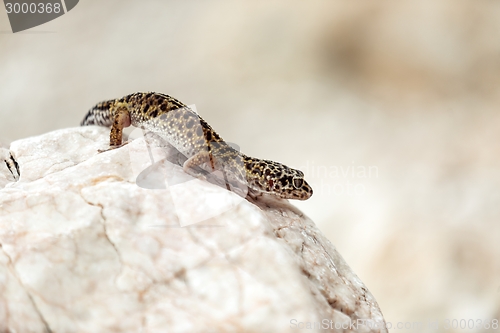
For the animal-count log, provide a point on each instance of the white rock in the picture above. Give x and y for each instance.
(83, 248)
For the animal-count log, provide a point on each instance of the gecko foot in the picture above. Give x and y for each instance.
(112, 147)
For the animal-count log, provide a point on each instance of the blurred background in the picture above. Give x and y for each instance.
(390, 108)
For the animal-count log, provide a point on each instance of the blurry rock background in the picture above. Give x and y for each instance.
(390, 108)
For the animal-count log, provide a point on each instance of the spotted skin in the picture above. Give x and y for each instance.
(187, 132)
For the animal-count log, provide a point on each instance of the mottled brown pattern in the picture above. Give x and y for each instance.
(194, 138)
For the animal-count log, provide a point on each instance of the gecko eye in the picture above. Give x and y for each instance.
(297, 183)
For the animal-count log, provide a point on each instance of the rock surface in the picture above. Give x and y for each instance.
(83, 248)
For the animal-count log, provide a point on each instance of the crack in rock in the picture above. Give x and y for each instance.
(32, 301)
(106, 235)
(105, 229)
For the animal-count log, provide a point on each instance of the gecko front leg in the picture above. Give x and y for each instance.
(204, 157)
(121, 120)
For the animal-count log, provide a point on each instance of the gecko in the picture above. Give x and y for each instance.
(193, 137)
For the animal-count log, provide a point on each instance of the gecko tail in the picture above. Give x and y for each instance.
(99, 115)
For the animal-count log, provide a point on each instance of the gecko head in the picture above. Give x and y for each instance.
(277, 179)
(294, 186)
